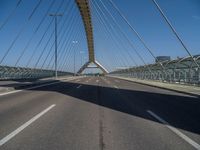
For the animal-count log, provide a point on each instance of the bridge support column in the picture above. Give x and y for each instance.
(96, 63)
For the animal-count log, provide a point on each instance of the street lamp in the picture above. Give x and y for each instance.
(81, 52)
(56, 61)
(74, 42)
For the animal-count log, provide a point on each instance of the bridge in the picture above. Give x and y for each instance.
(99, 74)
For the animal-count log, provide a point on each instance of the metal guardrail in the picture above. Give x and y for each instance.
(7, 72)
(183, 71)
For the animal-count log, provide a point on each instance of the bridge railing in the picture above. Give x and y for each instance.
(7, 72)
(183, 71)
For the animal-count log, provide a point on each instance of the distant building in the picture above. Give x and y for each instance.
(162, 58)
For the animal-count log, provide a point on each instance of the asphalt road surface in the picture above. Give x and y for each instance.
(99, 113)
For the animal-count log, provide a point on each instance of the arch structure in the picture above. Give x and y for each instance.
(84, 9)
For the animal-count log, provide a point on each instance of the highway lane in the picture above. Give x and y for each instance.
(180, 110)
(99, 113)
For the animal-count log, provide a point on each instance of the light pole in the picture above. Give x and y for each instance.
(81, 52)
(74, 42)
(56, 52)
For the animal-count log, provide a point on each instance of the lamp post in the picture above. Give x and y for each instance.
(81, 52)
(74, 42)
(56, 52)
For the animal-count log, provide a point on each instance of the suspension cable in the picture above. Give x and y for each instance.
(123, 33)
(112, 29)
(38, 44)
(62, 37)
(36, 64)
(10, 15)
(137, 34)
(174, 31)
(65, 55)
(110, 37)
(19, 33)
(35, 31)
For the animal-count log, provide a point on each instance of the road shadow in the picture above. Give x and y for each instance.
(182, 112)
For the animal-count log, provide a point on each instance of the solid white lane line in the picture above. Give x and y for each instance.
(176, 131)
(22, 127)
(78, 86)
(116, 87)
(16, 91)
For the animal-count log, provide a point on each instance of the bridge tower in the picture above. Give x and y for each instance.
(86, 16)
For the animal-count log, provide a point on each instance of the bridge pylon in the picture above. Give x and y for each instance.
(96, 63)
(84, 8)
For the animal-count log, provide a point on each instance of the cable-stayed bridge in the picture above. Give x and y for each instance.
(35, 58)
(99, 74)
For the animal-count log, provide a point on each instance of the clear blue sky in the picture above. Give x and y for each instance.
(112, 51)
